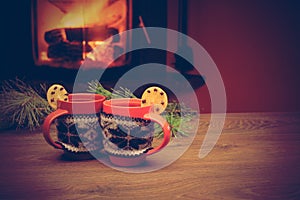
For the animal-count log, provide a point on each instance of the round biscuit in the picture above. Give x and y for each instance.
(56, 92)
(155, 96)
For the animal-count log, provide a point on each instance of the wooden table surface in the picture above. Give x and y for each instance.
(256, 157)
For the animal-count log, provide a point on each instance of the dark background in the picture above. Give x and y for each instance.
(255, 44)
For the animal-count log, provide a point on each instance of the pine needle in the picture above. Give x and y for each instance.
(22, 105)
(96, 87)
(179, 119)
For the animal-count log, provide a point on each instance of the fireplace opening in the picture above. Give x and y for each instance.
(66, 31)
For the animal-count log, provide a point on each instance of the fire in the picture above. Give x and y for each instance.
(94, 44)
(69, 31)
(94, 13)
(103, 51)
(83, 13)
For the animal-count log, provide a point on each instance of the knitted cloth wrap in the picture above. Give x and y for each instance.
(126, 136)
(79, 133)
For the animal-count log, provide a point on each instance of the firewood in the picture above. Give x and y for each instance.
(98, 33)
(55, 36)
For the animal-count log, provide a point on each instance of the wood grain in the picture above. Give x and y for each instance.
(256, 157)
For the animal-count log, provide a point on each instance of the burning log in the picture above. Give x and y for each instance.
(71, 43)
(68, 50)
(55, 36)
(98, 33)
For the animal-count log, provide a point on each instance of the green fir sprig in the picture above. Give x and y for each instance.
(21, 105)
(96, 87)
(180, 118)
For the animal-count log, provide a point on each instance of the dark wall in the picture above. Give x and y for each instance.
(17, 60)
(16, 39)
(256, 46)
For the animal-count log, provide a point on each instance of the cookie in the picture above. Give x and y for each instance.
(56, 92)
(155, 96)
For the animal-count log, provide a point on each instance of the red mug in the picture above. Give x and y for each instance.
(77, 124)
(128, 131)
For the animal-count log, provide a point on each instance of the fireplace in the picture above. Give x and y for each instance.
(64, 32)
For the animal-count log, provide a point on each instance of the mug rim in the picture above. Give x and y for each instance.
(87, 103)
(126, 107)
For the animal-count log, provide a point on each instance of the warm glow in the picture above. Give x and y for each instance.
(103, 52)
(67, 31)
(95, 12)
(44, 55)
(83, 13)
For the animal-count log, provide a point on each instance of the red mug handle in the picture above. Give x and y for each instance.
(165, 127)
(46, 126)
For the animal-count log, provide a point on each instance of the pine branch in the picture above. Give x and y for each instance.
(96, 87)
(22, 105)
(180, 118)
